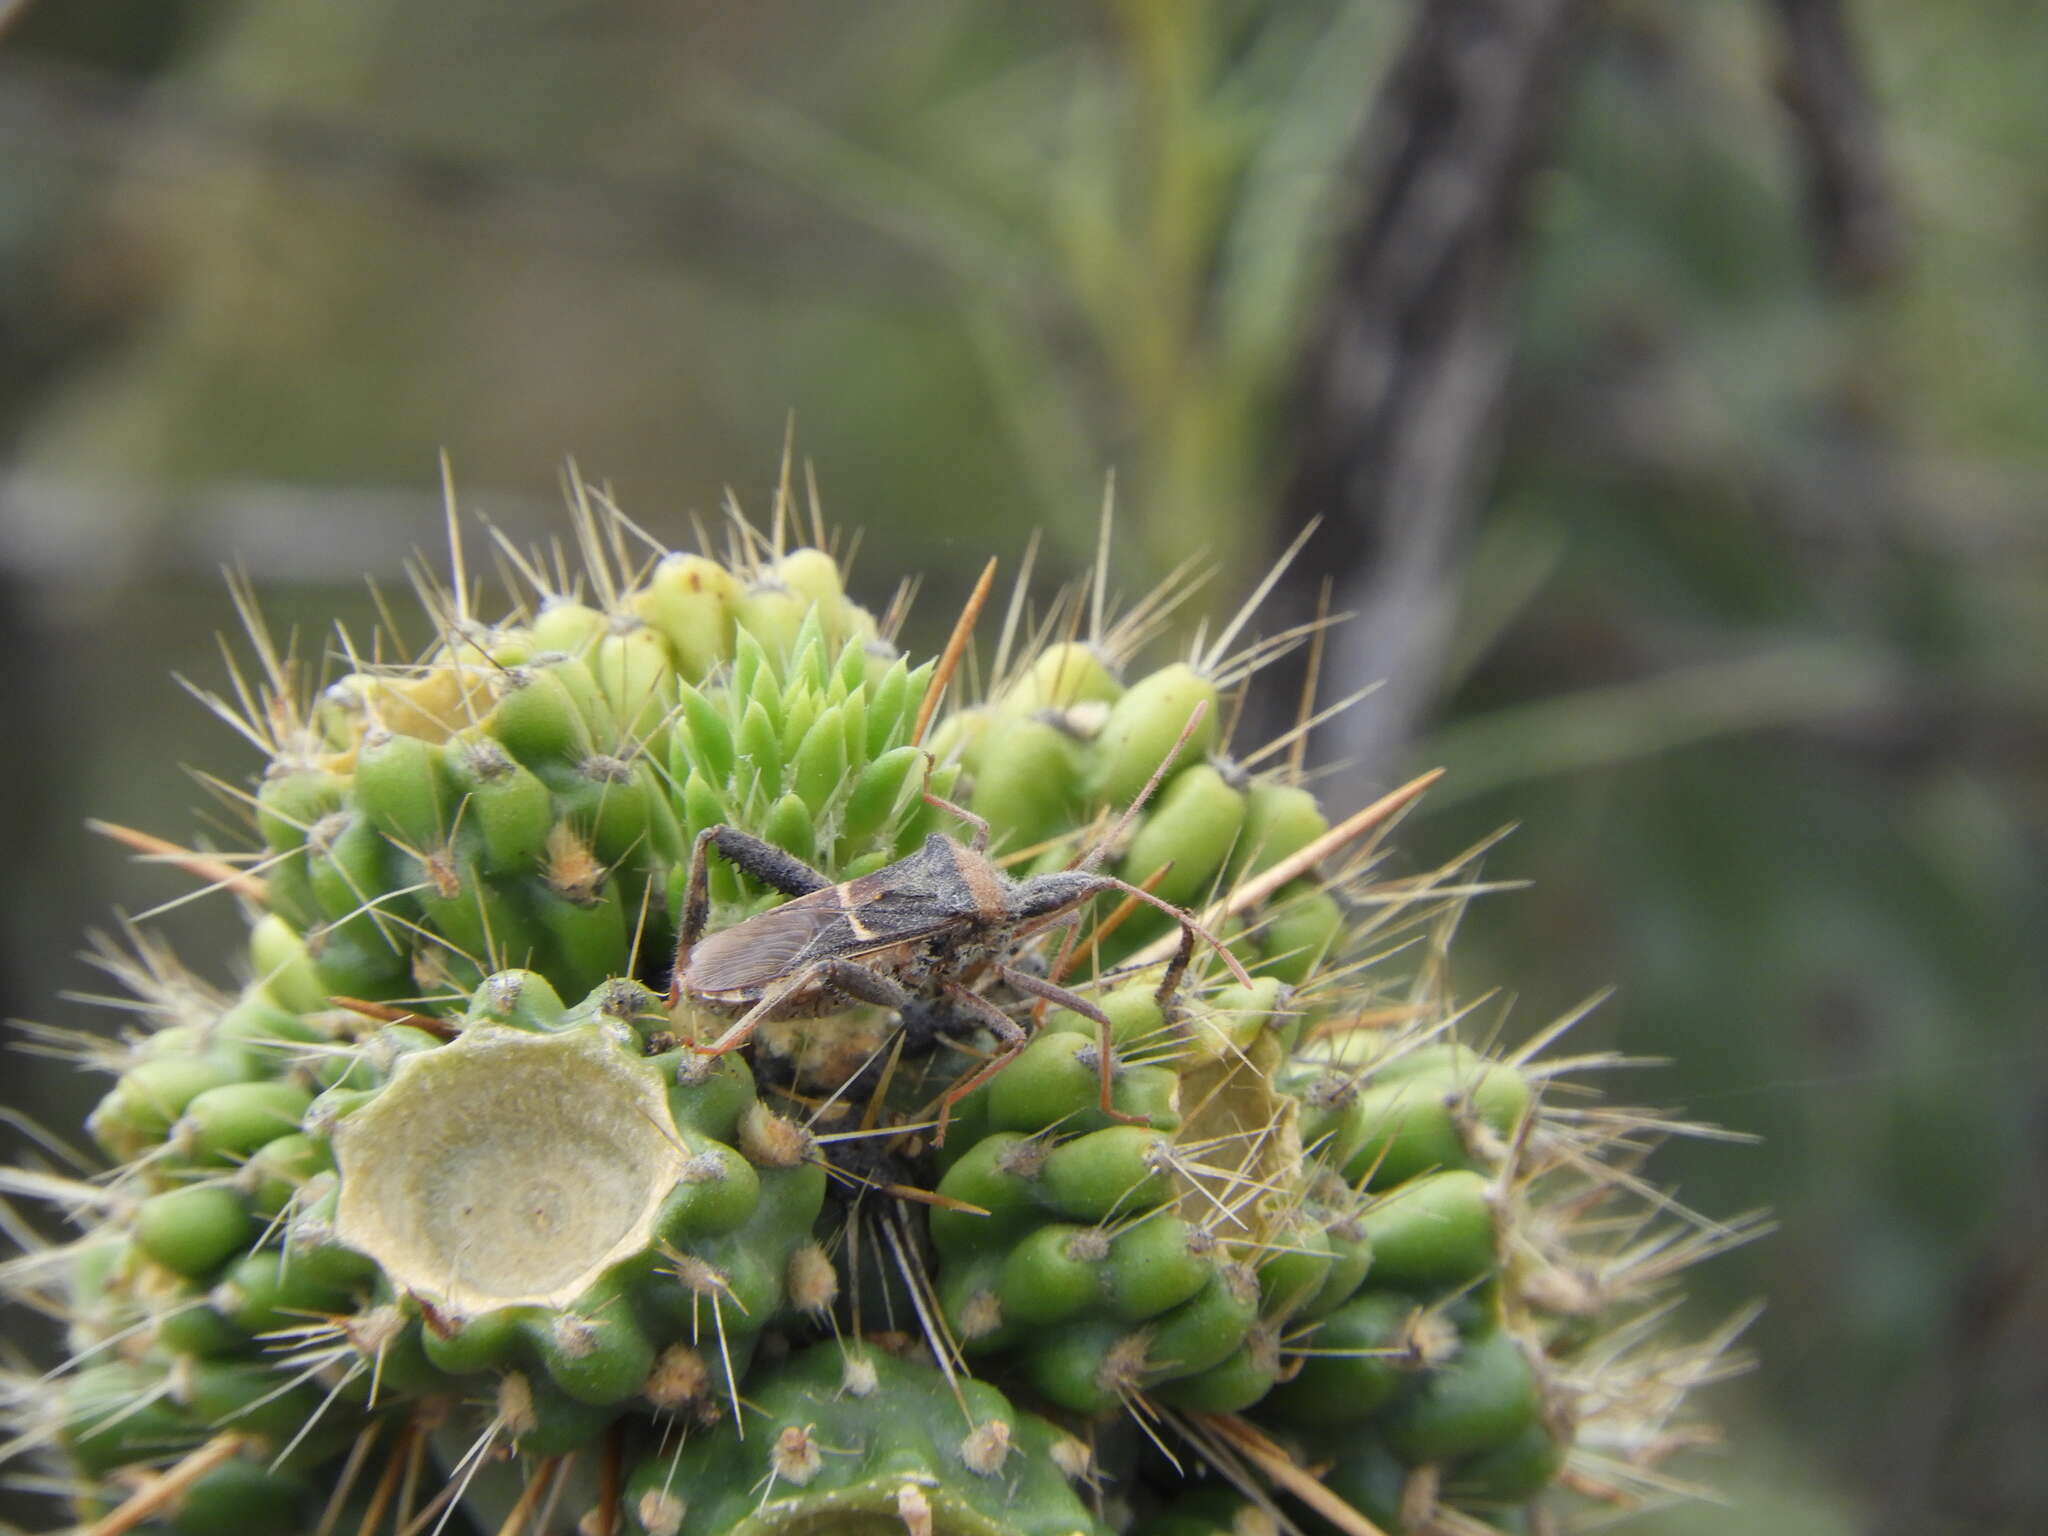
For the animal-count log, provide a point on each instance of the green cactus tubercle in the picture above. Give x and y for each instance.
(451, 1178)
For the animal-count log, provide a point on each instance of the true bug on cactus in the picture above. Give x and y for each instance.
(920, 929)
(695, 1266)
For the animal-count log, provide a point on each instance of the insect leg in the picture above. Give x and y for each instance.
(1190, 931)
(1177, 967)
(748, 854)
(763, 860)
(960, 811)
(847, 976)
(1012, 1039)
(865, 983)
(1052, 992)
(980, 841)
(742, 1028)
(1105, 1057)
(696, 913)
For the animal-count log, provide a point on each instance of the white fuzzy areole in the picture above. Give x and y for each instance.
(508, 1168)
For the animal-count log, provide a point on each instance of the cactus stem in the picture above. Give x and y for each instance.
(1316, 1191)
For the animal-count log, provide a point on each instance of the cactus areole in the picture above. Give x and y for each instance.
(932, 1189)
(508, 1168)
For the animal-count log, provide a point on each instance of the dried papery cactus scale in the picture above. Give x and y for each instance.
(445, 1218)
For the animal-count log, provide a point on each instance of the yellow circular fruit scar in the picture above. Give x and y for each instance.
(508, 1168)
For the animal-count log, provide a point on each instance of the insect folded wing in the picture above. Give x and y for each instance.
(763, 950)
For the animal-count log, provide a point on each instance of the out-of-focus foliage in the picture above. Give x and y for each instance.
(1031, 246)
(1753, 639)
(1755, 651)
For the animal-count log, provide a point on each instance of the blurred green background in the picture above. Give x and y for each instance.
(1743, 616)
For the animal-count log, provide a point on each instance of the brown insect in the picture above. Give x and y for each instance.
(923, 929)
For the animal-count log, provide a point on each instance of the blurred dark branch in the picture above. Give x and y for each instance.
(11, 13)
(1958, 1446)
(50, 320)
(1397, 400)
(712, 212)
(1858, 222)
(1853, 491)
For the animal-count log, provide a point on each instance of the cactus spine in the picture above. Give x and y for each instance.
(447, 1180)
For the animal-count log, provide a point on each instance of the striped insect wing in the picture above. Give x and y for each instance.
(764, 949)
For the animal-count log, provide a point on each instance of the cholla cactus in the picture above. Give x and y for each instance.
(451, 1182)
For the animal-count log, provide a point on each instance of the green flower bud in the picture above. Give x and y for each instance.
(1300, 925)
(1279, 820)
(789, 825)
(1107, 1173)
(278, 956)
(881, 794)
(153, 1094)
(819, 764)
(773, 614)
(760, 760)
(814, 576)
(1356, 1360)
(537, 720)
(503, 809)
(1204, 1330)
(291, 800)
(704, 742)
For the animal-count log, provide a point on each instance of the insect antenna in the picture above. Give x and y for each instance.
(1095, 855)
